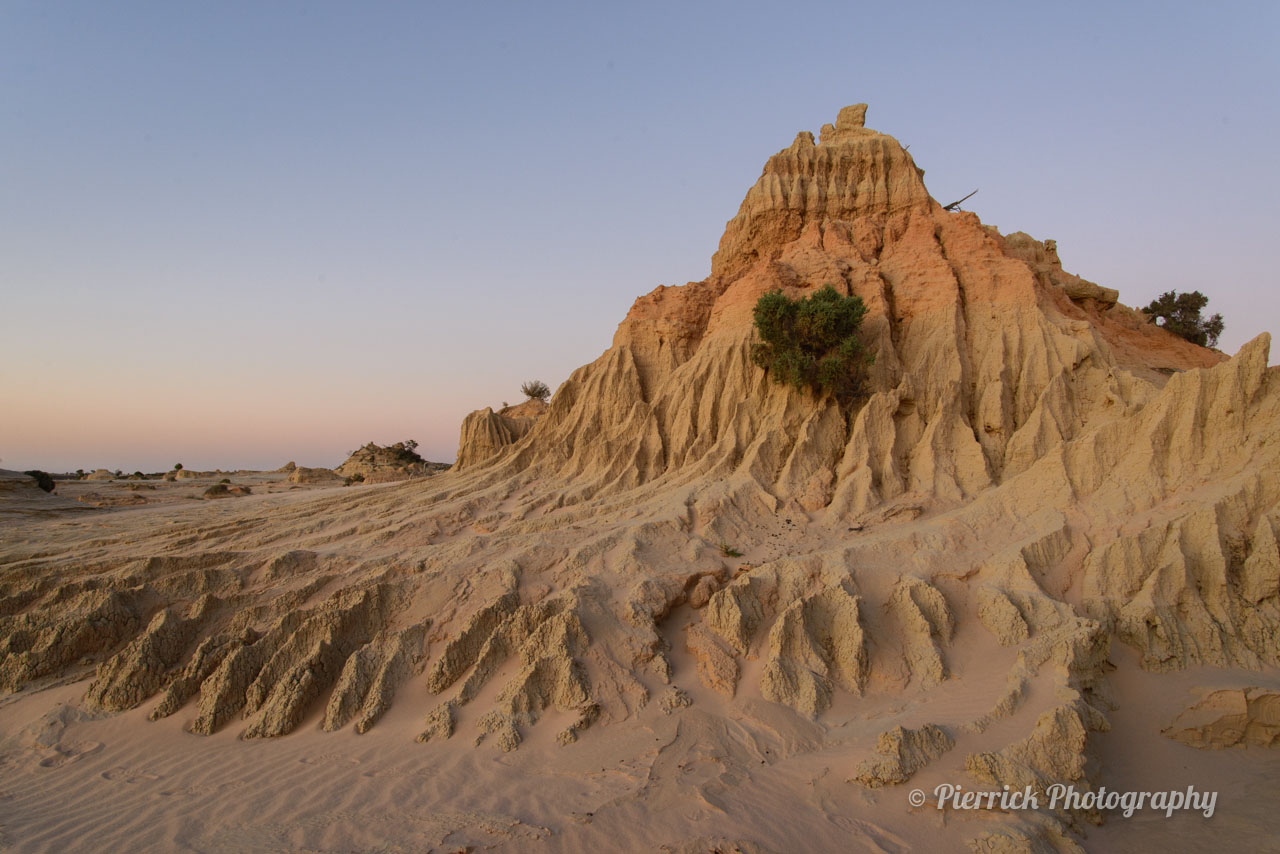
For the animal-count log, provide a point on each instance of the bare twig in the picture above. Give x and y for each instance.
(956, 204)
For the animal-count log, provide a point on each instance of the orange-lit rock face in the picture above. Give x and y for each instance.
(987, 352)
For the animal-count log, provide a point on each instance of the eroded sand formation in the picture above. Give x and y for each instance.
(376, 464)
(1037, 478)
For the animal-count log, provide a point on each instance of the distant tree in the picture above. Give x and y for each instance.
(536, 390)
(44, 480)
(119, 473)
(812, 342)
(1180, 314)
(177, 466)
(79, 474)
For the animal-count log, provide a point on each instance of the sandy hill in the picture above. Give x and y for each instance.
(690, 607)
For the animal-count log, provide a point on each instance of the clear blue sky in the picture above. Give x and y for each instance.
(241, 233)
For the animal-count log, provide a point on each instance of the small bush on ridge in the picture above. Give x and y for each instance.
(536, 390)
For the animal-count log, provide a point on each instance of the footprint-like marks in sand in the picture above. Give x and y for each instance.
(63, 753)
(129, 775)
(329, 758)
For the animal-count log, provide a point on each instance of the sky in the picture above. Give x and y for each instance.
(237, 234)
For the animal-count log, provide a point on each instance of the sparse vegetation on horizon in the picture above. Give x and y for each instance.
(812, 342)
(536, 390)
(1180, 314)
(407, 451)
(403, 453)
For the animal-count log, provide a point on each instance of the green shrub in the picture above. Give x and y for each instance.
(813, 342)
(1180, 314)
(177, 466)
(225, 480)
(406, 452)
(536, 390)
(44, 480)
(729, 551)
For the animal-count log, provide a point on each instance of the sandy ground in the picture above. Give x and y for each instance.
(73, 782)
(741, 774)
(1135, 757)
(86, 498)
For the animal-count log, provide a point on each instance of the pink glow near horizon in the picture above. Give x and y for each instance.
(222, 246)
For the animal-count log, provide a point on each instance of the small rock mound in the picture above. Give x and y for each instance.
(376, 464)
(222, 490)
(900, 753)
(190, 474)
(1248, 717)
(303, 474)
